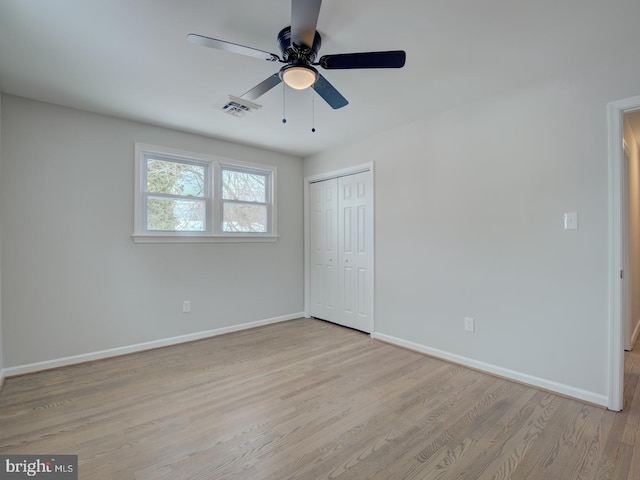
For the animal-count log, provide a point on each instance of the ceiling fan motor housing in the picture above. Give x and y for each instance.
(298, 54)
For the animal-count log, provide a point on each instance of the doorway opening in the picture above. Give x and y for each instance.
(631, 171)
(619, 301)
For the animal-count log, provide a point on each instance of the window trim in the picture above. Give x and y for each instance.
(214, 205)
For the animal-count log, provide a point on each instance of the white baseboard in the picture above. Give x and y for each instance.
(562, 389)
(165, 342)
(1, 378)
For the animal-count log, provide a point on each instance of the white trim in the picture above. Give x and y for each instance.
(615, 112)
(139, 212)
(514, 375)
(255, 238)
(165, 342)
(213, 199)
(307, 253)
(363, 167)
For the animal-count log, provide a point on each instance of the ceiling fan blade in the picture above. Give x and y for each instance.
(329, 93)
(263, 87)
(304, 19)
(203, 41)
(390, 59)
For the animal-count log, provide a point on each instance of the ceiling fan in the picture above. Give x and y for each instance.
(299, 44)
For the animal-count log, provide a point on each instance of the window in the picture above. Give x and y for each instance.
(176, 196)
(244, 200)
(189, 197)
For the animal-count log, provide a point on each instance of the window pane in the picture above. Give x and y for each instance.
(244, 218)
(176, 215)
(242, 186)
(175, 178)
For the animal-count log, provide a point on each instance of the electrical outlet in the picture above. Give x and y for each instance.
(186, 306)
(469, 324)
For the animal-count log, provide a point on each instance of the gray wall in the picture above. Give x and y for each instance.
(73, 281)
(469, 222)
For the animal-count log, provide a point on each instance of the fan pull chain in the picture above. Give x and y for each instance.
(313, 111)
(284, 115)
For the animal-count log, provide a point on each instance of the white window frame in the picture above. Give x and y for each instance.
(214, 204)
(144, 194)
(268, 203)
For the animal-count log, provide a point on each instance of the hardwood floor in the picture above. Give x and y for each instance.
(309, 400)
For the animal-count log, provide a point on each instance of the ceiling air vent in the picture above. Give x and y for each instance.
(238, 107)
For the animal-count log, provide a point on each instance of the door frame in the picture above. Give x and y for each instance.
(615, 113)
(360, 168)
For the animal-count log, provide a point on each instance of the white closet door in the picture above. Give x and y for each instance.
(341, 251)
(355, 251)
(323, 249)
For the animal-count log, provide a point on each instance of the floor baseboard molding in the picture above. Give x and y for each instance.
(114, 352)
(549, 385)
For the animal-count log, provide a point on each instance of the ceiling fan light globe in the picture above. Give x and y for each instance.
(299, 77)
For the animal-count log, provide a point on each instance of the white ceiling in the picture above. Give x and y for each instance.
(130, 58)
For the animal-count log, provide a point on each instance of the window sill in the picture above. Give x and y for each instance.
(204, 238)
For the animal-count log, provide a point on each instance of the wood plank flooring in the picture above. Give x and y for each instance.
(307, 399)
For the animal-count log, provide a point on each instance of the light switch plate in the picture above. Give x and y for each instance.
(571, 221)
(469, 324)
